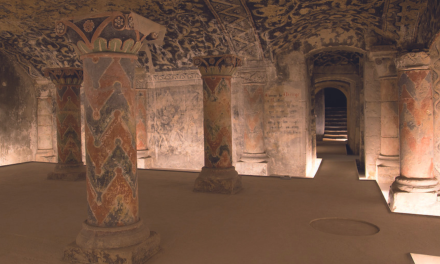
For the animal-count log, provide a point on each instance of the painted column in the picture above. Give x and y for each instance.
(68, 117)
(388, 162)
(144, 159)
(107, 45)
(416, 188)
(218, 175)
(434, 53)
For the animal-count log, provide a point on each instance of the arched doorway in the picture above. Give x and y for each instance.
(331, 114)
(335, 115)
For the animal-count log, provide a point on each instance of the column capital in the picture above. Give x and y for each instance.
(383, 57)
(64, 76)
(413, 61)
(217, 65)
(120, 32)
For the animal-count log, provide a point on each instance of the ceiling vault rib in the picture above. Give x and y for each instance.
(254, 28)
(222, 26)
(384, 15)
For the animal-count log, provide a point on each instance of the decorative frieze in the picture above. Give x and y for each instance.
(413, 61)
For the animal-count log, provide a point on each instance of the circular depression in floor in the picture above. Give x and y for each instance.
(344, 226)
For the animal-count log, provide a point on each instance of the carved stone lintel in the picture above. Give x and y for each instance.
(252, 77)
(413, 61)
(167, 79)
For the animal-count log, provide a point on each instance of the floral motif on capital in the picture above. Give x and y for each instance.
(60, 29)
(119, 22)
(130, 22)
(89, 26)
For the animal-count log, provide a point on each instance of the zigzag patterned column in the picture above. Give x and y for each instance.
(113, 231)
(416, 188)
(218, 175)
(68, 112)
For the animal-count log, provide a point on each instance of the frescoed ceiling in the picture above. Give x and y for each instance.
(253, 29)
(342, 57)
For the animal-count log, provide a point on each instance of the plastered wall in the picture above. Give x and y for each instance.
(18, 104)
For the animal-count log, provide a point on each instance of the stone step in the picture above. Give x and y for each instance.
(335, 127)
(336, 115)
(335, 136)
(335, 111)
(336, 124)
(336, 119)
(334, 132)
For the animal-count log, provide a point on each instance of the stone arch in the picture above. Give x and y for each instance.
(336, 84)
(334, 48)
(348, 86)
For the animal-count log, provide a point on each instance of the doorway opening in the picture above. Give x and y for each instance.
(331, 117)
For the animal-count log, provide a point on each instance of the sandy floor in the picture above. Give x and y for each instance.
(268, 222)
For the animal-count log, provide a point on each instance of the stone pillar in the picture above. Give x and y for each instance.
(254, 158)
(45, 152)
(416, 188)
(388, 163)
(320, 114)
(68, 117)
(107, 45)
(434, 53)
(218, 175)
(144, 159)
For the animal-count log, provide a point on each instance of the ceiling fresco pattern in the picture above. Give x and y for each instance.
(330, 58)
(237, 24)
(253, 29)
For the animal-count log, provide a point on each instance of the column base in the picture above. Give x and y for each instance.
(387, 168)
(252, 168)
(144, 160)
(254, 157)
(218, 180)
(45, 155)
(413, 195)
(133, 244)
(68, 172)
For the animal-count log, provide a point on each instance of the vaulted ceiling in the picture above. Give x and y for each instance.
(255, 29)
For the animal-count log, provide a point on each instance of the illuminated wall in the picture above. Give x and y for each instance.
(18, 104)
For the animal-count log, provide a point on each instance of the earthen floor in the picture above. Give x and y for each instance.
(268, 222)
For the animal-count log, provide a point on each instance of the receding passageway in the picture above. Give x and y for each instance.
(268, 222)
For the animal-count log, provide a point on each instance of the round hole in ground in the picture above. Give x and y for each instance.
(344, 226)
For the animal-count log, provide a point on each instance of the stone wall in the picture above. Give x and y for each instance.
(174, 107)
(288, 143)
(372, 119)
(18, 104)
(320, 114)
